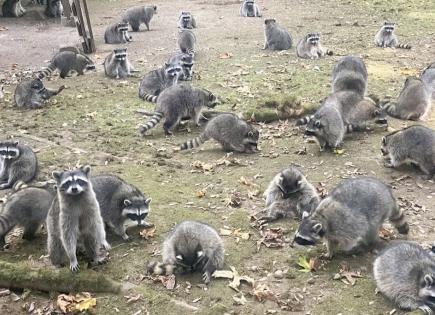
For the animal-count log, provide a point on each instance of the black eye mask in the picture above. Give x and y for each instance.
(135, 217)
(303, 241)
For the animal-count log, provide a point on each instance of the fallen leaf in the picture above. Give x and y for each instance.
(133, 298)
(304, 264)
(271, 238)
(205, 167)
(226, 274)
(339, 151)
(262, 292)
(225, 55)
(148, 232)
(78, 303)
(239, 299)
(168, 281)
(200, 193)
(234, 200)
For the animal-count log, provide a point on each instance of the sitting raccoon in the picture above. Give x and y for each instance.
(18, 162)
(414, 101)
(176, 103)
(186, 20)
(350, 217)
(289, 194)
(187, 42)
(66, 61)
(233, 133)
(191, 246)
(117, 65)
(309, 47)
(28, 208)
(428, 78)
(350, 73)
(32, 94)
(12, 8)
(54, 8)
(276, 37)
(405, 274)
(120, 203)
(117, 34)
(156, 81)
(137, 15)
(415, 144)
(249, 9)
(186, 63)
(385, 37)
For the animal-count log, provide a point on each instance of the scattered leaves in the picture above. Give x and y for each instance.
(133, 298)
(239, 299)
(148, 232)
(347, 276)
(386, 234)
(234, 199)
(73, 304)
(262, 292)
(271, 238)
(204, 167)
(308, 265)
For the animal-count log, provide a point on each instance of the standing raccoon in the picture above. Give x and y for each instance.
(351, 216)
(428, 78)
(309, 47)
(156, 81)
(186, 20)
(276, 37)
(177, 102)
(18, 162)
(415, 144)
(137, 15)
(13, 8)
(75, 216)
(405, 274)
(191, 246)
(186, 63)
(120, 203)
(54, 8)
(249, 9)
(385, 37)
(233, 133)
(28, 208)
(117, 34)
(187, 42)
(117, 65)
(66, 61)
(414, 102)
(33, 94)
(350, 73)
(289, 194)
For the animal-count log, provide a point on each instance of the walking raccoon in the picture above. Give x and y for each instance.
(350, 73)
(276, 37)
(187, 41)
(156, 81)
(32, 94)
(117, 65)
(66, 61)
(137, 15)
(309, 47)
(385, 37)
(117, 34)
(186, 63)
(249, 9)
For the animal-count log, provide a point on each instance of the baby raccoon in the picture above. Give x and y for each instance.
(177, 102)
(415, 144)
(117, 34)
(17, 163)
(156, 81)
(13, 8)
(233, 133)
(428, 78)
(350, 73)
(187, 42)
(186, 63)
(137, 15)
(28, 208)
(75, 216)
(186, 20)
(309, 47)
(116, 64)
(32, 94)
(405, 274)
(276, 37)
(66, 61)
(54, 8)
(289, 194)
(249, 9)
(350, 217)
(386, 37)
(120, 203)
(414, 102)
(191, 246)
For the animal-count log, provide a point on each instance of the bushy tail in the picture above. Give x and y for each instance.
(404, 46)
(46, 72)
(303, 121)
(155, 119)
(6, 224)
(329, 52)
(399, 221)
(148, 97)
(194, 143)
(390, 109)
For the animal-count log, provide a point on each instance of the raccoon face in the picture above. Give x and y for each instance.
(86, 62)
(313, 38)
(388, 27)
(122, 27)
(9, 150)
(314, 128)
(172, 71)
(270, 22)
(120, 54)
(251, 140)
(136, 209)
(37, 85)
(427, 289)
(380, 117)
(384, 146)
(309, 232)
(73, 182)
(212, 100)
(290, 182)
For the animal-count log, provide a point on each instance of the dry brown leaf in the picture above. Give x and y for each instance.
(234, 200)
(74, 304)
(225, 55)
(226, 274)
(168, 281)
(271, 238)
(243, 235)
(205, 167)
(386, 234)
(133, 298)
(200, 193)
(239, 299)
(148, 232)
(225, 232)
(262, 292)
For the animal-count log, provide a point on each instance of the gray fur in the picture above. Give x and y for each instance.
(349, 218)
(54, 8)
(65, 61)
(186, 62)
(362, 114)
(428, 78)
(117, 34)
(117, 65)
(309, 47)
(350, 73)
(156, 81)
(31, 94)
(405, 274)
(415, 144)
(18, 162)
(187, 41)
(249, 9)
(276, 37)
(12, 8)
(385, 37)
(2, 95)
(186, 20)
(137, 15)
(233, 133)
(75, 216)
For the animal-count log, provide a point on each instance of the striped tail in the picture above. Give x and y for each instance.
(304, 120)
(399, 221)
(194, 143)
(46, 72)
(390, 109)
(355, 128)
(329, 52)
(148, 97)
(151, 123)
(404, 46)
(6, 224)
(190, 51)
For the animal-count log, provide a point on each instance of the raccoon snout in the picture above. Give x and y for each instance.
(309, 133)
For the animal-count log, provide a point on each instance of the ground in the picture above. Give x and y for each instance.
(93, 121)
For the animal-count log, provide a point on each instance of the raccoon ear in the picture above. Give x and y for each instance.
(56, 175)
(428, 280)
(86, 169)
(148, 201)
(317, 124)
(179, 257)
(127, 203)
(200, 253)
(317, 227)
(385, 23)
(305, 214)
(377, 112)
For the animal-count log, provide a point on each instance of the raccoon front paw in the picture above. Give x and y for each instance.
(106, 245)
(206, 277)
(125, 237)
(388, 164)
(74, 267)
(426, 309)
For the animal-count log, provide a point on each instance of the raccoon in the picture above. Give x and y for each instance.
(120, 203)
(187, 42)
(309, 47)
(428, 78)
(350, 217)
(66, 61)
(137, 15)
(386, 37)
(289, 194)
(350, 73)
(116, 64)
(415, 144)
(405, 274)
(177, 102)
(249, 9)
(156, 81)
(75, 216)
(233, 133)
(13, 8)
(186, 63)
(117, 34)
(54, 8)
(191, 246)
(28, 208)
(366, 111)
(18, 162)
(414, 102)
(186, 20)
(33, 94)
(276, 37)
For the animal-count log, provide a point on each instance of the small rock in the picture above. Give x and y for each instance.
(311, 281)
(278, 274)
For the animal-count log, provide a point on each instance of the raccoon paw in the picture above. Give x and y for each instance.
(106, 245)
(74, 267)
